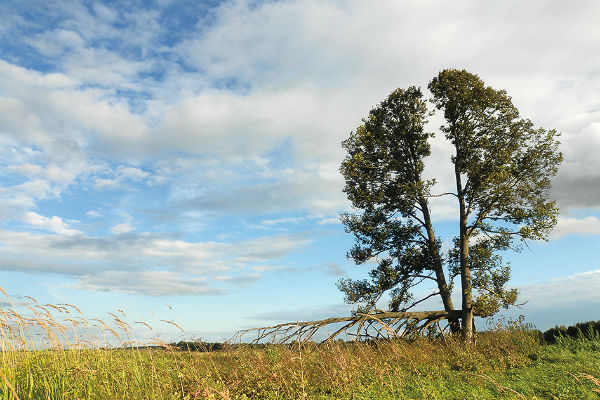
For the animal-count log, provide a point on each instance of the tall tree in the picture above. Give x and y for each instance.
(383, 172)
(502, 167)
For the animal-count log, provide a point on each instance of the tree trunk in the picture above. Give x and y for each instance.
(465, 271)
(465, 280)
(445, 293)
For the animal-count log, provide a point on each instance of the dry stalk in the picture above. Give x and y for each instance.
(501, 388)
(590, 378)
(12, 389)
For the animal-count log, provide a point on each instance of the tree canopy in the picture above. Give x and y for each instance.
(503, 168)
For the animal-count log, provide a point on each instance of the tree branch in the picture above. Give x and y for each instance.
(443, 194)
(421, 300)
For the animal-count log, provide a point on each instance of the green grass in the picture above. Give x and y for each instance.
(507, 362)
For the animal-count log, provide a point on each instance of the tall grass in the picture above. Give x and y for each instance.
(54, 352)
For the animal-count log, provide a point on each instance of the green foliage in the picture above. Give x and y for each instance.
(589, 330)
(508, 165)
(490, 275)
(383, 178)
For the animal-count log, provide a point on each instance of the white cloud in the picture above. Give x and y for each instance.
(121, 177)
(570, 289)
(105, 13)
(243, 280)
(19, 79)
(26, 169)
(150, 283)
(241, 191)
(264, 119)
(53, 224)
(95, 261)
(56, 42)
(61, 176)
(566, 300)
(261, 249)
(52, 112)
(583, 226)
(330, 221)
(125, 227)
(288, 220)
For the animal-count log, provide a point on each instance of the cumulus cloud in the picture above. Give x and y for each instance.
(53, 224)
(583, 226)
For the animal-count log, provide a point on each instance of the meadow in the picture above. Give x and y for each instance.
(44, 357)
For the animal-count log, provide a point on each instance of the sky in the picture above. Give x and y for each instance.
(179, 160)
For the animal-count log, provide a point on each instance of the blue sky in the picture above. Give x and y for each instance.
(179, 159)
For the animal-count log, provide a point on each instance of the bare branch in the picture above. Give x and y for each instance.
(385, 324)
(443, 194)
(421, 300)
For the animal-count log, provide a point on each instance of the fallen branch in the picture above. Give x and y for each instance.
(385, 324)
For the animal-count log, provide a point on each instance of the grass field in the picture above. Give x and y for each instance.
(508, 362)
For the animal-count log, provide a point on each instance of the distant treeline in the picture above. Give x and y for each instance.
(584, 330)
(215, 346)
(198, 346)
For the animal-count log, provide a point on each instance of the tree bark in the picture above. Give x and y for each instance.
(465, 271)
